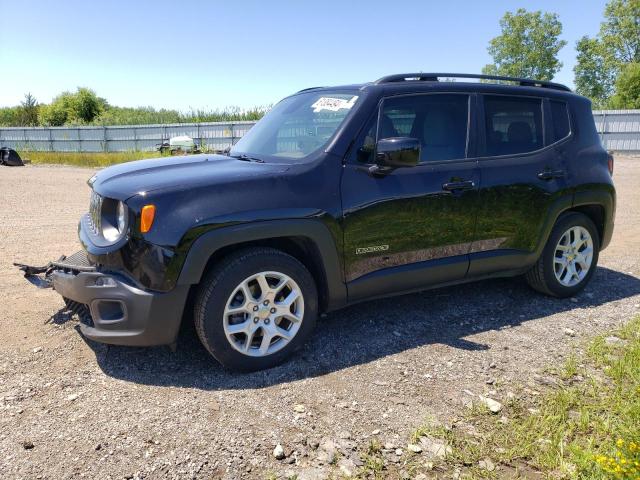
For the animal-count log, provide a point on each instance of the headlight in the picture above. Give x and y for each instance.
(114, 220)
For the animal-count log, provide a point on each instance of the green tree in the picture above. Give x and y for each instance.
(81, 107)
(627, 87)
(85, 105)
(527, 47)
(601, 59)
(29, 111)
(57, 113)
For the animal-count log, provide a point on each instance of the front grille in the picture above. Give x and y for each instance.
(77, 261)
(95, 212)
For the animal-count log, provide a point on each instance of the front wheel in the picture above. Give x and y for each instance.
(255, 308)
(569, 258)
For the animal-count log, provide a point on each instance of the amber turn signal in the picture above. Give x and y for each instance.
(146, 218)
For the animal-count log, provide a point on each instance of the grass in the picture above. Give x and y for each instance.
(85, 159)
(587, 427)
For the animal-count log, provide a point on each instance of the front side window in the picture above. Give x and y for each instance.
(298, 126)
(439, 121)
(513, 124)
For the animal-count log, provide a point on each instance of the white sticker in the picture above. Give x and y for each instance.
(333, 104)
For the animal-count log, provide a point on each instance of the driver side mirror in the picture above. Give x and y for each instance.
(397, 152)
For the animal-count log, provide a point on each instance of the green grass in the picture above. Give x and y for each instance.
(587, 428)
(85, 159)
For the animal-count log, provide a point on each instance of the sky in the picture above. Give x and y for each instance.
(214, 54)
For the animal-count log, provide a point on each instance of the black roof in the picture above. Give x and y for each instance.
(422, 78)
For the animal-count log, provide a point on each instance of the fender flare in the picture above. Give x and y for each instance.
(209, 242)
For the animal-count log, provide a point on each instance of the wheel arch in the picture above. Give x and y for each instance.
(309, 241)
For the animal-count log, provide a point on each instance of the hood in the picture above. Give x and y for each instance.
(175, 173)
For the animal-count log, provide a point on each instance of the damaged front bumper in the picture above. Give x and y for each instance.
(112, 308)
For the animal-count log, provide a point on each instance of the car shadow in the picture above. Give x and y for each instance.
(365, 332)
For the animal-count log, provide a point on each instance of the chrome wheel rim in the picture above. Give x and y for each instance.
(573, 256)
(263, 314)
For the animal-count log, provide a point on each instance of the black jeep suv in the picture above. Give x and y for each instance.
(340, 195)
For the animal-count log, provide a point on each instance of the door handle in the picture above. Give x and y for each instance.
(453, 186)
(551, 174)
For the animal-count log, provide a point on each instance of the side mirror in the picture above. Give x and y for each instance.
(398, 152)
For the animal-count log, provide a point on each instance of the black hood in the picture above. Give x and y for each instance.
(174, 173)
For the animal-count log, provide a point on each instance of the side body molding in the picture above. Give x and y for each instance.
(314, 230)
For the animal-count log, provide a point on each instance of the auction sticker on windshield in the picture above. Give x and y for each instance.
(333, 104)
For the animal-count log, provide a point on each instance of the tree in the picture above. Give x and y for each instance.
(627, 87)
(81, 107)
(86, 105)
(29, 111)
(527, 47)
(601, 59)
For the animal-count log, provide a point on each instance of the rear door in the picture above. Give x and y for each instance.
(523, 181)
(412, 227)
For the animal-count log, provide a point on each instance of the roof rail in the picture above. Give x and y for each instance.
(433, 77)
(307, 89)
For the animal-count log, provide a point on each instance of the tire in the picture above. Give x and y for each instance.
(543, 275)
(240, 341)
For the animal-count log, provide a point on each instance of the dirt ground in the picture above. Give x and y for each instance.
(71, 408)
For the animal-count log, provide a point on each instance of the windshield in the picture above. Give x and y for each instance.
(297, 126)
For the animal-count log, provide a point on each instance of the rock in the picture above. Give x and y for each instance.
(37, 349)
(414, 448)
(347, 467)
(345, 435)
(569, 332)
(396, 333)
(613, 340)
(493, 405)
(574, 299)
(375, 432)
(487, 465)
(327, 452)
(398, 451)
(278, 452)
(27, 444)
(299, 408)
(73, 396)
(434, 447)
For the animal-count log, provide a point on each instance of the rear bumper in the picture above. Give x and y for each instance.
(120, 312)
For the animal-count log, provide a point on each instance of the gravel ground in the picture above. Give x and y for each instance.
(72, 408)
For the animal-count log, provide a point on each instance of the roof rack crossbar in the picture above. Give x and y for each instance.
(433, 77)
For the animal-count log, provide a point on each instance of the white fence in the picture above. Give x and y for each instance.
(213, 136)
(618, 129)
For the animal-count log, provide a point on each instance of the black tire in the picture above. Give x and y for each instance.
(542, 277)
(218, 285)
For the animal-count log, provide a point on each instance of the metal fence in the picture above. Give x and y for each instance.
(618, 129)
(213, 136)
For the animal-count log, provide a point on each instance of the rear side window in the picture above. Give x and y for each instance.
(439, 121)
(560, 120)
(513, 124)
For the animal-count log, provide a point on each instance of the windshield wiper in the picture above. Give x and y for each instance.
(247, 158)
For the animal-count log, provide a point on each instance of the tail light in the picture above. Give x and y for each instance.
(610, 162)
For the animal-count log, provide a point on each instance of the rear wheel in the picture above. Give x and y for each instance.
(255, 308)
(569, 258)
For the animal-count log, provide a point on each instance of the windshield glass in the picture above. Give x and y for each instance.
(297, 126)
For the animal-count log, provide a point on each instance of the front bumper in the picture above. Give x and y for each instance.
(120, 312)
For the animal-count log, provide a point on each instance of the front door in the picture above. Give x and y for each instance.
(411, 227)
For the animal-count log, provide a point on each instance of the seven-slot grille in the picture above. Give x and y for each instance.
(95, 212)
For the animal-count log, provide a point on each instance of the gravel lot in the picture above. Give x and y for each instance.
(71, 408)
